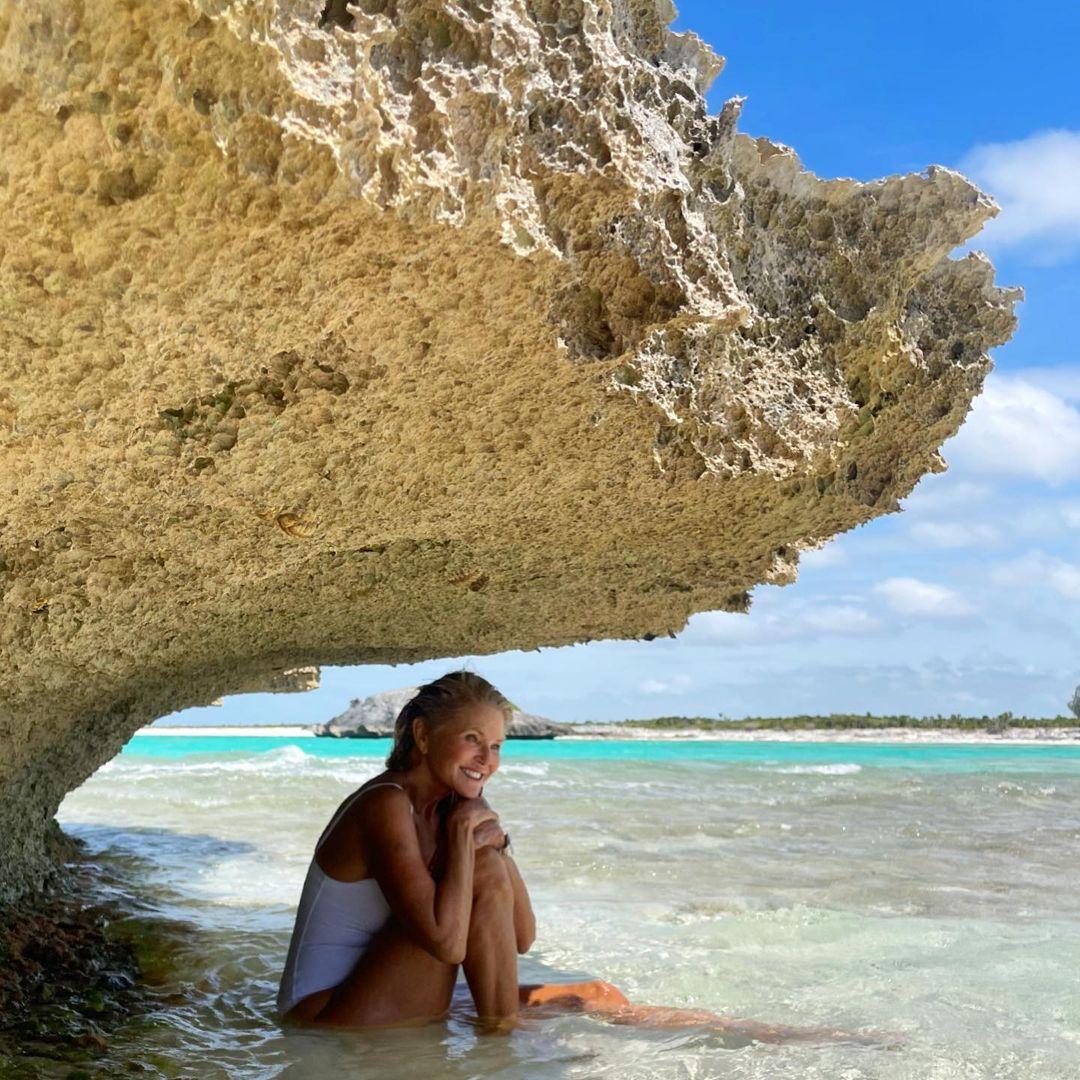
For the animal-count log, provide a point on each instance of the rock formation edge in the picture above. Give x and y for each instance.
(336, 334)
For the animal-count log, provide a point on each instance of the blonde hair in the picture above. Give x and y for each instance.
(438, 702)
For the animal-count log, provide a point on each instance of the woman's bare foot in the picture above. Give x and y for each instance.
(593, 996)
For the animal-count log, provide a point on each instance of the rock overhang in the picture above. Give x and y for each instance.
(342, 333)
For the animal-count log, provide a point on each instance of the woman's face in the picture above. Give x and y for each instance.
(464, 751)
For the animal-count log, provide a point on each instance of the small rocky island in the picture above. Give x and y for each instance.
(373, 718)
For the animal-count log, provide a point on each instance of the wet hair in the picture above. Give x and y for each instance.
(438, 702)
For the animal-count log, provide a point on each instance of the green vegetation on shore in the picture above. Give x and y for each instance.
(848, 722)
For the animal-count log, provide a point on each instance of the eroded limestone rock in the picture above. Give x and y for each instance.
(332, 334)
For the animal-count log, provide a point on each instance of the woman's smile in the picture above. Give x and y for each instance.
(475, 736)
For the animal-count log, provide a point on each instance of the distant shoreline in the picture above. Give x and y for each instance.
(282, 731)
(586, 732)
(956, 736)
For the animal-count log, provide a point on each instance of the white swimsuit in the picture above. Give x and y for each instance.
(335, 921)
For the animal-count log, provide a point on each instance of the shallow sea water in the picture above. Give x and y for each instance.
(924, 890)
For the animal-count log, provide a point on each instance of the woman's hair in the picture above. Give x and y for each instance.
(438, 702)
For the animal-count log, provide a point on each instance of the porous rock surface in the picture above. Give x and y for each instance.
(333, 333)
(374, 717)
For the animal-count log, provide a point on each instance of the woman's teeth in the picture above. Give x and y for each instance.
(473, 775)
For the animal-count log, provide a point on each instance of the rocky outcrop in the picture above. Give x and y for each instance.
(333, 334)
(283, 681)
(525, 725)
(373, 718)
(69, 971)
(370, 717)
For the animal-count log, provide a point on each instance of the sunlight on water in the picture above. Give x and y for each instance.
(928, 891)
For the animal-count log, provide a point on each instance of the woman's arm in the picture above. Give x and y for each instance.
(435, 914)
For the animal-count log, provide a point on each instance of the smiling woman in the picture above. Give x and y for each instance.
(412, 878)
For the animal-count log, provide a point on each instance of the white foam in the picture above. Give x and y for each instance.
(840, 768)
(288, 760)
(538, 769)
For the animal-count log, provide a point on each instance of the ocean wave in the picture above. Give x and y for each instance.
(539, 768)
(290, 760)
(840, 768)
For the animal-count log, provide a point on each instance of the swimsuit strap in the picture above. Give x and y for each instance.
(349, 801)
(386, 783)
(391, 783)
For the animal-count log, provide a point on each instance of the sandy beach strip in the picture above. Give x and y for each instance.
(278, 731)
(586, 732)
(955, 736)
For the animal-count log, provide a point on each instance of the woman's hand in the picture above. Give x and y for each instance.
(488, 834)
(470, 814)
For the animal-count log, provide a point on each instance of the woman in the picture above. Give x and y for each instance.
(413, 877)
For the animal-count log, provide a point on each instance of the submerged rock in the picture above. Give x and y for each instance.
(341, 333)
(373, 718)
(67, 976)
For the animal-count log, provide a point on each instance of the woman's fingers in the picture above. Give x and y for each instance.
(484, 814)
(473, 811)
(489, 833)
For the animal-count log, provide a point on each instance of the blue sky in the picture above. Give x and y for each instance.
(966, 601)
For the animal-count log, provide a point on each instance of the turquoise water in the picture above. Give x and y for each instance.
(949, 758)
(924, 890)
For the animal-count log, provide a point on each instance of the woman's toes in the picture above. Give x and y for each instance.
(606, 995)
(561, 994)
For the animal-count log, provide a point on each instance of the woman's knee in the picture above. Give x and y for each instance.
(490, 876)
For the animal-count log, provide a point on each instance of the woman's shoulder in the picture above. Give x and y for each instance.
(387, 776)
(384, 790)
(339, 841)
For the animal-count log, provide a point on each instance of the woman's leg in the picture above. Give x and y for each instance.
(394, 982)
(599, 998)
(743, 1031)
(490, 963)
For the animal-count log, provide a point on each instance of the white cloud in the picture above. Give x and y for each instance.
(677, 684)
(1037, 568)
(864, 681)
(1071, 513)
(840, 619)
(1066, 579)
(945, 491)
(909, 596)
(827, 555)
(770, 628)
(1062, 380)
(1019, 429)
(952, 534)
(1034, 180)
